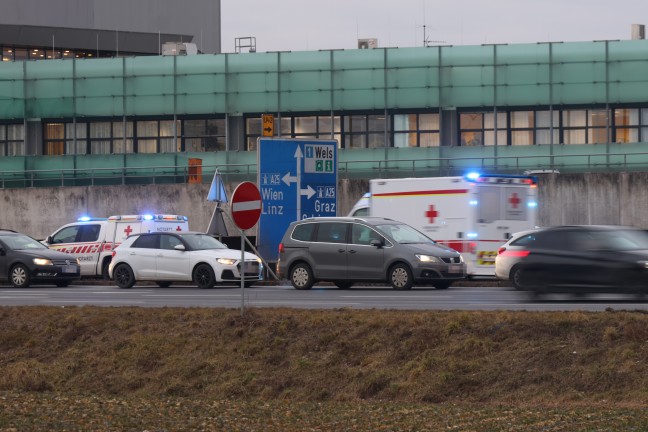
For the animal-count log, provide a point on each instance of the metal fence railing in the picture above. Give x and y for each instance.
(346, 169)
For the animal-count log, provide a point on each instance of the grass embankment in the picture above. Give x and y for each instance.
(284, 369)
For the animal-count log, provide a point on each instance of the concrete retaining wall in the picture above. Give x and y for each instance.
(614, 198)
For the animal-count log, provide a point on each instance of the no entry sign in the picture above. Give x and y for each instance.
(246, 205)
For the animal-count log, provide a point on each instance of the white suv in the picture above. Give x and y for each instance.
(181, 257)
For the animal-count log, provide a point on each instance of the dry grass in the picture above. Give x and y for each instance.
(413, 369)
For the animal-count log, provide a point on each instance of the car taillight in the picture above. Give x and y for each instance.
(514, 253)
(500, 250)
(113, 254)
(281, 247)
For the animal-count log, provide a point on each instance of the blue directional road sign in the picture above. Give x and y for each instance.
(297, 179)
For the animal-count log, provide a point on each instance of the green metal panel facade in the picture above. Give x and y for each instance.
(446, 76)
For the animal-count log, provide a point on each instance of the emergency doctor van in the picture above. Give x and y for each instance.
(473, 214)
(92, 240)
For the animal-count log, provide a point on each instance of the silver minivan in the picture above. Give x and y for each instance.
(346, 250)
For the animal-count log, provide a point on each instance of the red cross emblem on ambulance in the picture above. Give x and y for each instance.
(128, 230)
(514, 200)
(431, 214)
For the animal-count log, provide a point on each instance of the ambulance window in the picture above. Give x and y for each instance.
(364, 211)
(489, 204)
(146, 242)
(88, 233)
(66, 235)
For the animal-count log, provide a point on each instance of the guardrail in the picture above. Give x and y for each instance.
(346, 169)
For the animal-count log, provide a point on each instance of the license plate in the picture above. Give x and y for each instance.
(454, 268)
(69, 269)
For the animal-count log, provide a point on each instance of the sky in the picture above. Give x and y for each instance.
(307, 25)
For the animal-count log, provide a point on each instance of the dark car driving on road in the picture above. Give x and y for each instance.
(579, 259)
(24, 260)
(346, 250)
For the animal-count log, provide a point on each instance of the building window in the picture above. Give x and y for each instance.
(54, 139)
(100, 137)
(545, 123)
(585, 126)
(307, 127)
(626, 125)
(522, 127)
(123, 137)
(12, 140)
(416, 130)
(471, 129)
(365, 131)
(204, 135)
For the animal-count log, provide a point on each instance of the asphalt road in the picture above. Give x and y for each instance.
(320, 297)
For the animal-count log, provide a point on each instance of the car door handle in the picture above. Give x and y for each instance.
(352, 251)
(341, 250)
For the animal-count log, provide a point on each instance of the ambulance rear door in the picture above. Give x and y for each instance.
(504, 207)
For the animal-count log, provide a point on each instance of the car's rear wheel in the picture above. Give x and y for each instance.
(400, 277)
(344, 284)
(301, 276)
(203, 276)
(163, 284)
(19, 276)
(124, 276)
(518, 279)
(62, 284)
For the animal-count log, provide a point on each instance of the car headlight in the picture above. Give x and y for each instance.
(226, 261)
(427, 259)
(42, 262)
(643, 264)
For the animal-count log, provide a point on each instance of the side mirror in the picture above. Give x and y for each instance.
(179, 247)
(377, 243)
(49, 240)
(3, 252)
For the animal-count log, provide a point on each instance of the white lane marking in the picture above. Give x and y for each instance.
(94, 301)
(192, 295)
(400, 297)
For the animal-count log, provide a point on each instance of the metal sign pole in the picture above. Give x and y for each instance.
(242, 272)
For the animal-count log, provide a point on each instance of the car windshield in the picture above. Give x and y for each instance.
(404, 234)
(22, 242)
(202, 242)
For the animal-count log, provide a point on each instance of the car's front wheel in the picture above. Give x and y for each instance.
(203, 276)
(301, 276)
(442, 285)
(400, 277)
(124, 276)
(19, 276)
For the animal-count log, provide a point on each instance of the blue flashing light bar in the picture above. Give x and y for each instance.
(147, 217)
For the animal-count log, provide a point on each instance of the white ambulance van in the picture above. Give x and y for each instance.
(93, 239)
(474, 214)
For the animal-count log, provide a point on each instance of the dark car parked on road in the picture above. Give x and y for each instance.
(24, 260)
(346, 250)
(580, 259)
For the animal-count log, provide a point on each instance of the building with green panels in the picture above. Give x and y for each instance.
(394, 111)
